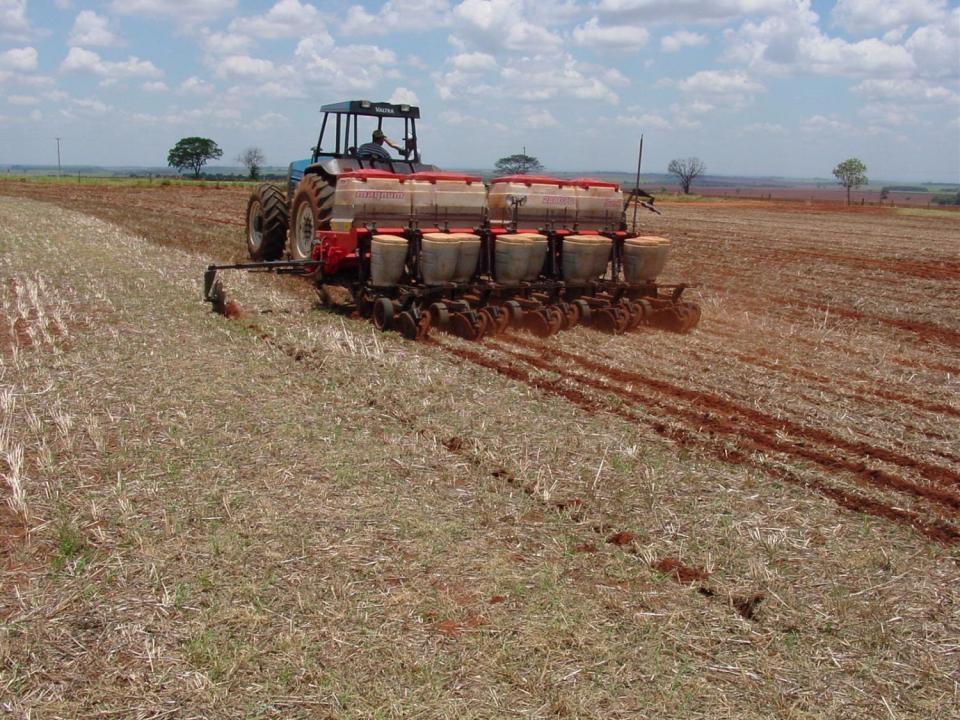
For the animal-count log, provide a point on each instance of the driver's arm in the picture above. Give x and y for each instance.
(389, 142)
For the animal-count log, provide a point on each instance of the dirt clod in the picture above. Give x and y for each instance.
(680, 572)
(747, 605)
(624, 537)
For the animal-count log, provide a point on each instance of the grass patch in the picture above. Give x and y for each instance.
(138, 182)
(928, 212)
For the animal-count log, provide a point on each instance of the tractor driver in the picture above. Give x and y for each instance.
(375, 149)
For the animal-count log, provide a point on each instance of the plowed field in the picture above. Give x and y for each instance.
(830, 339)
(791, 468)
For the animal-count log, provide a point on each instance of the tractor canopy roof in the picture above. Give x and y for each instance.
(373, 109)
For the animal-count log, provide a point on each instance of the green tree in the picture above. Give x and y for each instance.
(192, 153)
(252, 159)
(851, 173)
(519, 164)
(687, 170)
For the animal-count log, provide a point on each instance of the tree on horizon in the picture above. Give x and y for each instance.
(687, 170)
(192, 153)
(851, 173)
(519, 164)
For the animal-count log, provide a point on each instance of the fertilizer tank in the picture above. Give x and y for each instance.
(644, 258)
(442, 198)
(387, 257)
(372, 196)
(542, 201)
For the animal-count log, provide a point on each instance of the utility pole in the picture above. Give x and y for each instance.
(636, 203)
(59, 169)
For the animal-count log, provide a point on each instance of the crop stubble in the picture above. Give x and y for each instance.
(828, 341)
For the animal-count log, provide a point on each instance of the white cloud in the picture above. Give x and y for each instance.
(186, 12)
(536, 119)
(287, 18)
(456, 118)
(270, 88)
(681, 39)
(218, 43)
(893, 114)
(404, 96)
(19, 59)
(860, 16)
(246, 66)
(340, 71)
(822, 123)
(902, 90)
(617, 37)
(195, 86)
(644, 121)
(766, 128)
(90, 29)
(396, 15)
(501, 23)
(80, 60)
(22, 100)
(834, 56)
(474, 62)
(531, 79)
(936, 48)
(270, 120)
(792, 42)
(13, 19)
(709, 89)
(91, 106)
(669, 11)
(155, 87)
(719, 82)
(544, 77)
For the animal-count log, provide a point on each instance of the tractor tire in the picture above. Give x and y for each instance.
(311, 210)
(267, 220)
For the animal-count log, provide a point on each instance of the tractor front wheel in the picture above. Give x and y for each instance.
(311, 210)
(266, 223)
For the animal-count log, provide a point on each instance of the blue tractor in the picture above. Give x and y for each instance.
(311, 182)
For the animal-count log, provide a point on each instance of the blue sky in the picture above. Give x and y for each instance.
(753, 87)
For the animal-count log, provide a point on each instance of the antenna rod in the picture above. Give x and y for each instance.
(636, 195)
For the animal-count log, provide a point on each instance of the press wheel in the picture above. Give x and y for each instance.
(383, 314)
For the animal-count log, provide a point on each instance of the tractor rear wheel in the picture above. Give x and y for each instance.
(310, 211)
(267, 221)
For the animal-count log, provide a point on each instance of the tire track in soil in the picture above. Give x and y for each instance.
(932, 528)
(926, 331)
(932, 270)
(574, 508)
(764, 428)
(624, 540)
(834, 385)
(850, 391)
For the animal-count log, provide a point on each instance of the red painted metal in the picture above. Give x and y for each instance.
(530, 180)
(336, 250)
(368, 174)
(427, 176)
(591, 182)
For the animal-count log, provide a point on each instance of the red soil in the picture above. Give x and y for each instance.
(724, 416)
(680, 572)
(932, 528)
(624, 537)
(928, 332)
